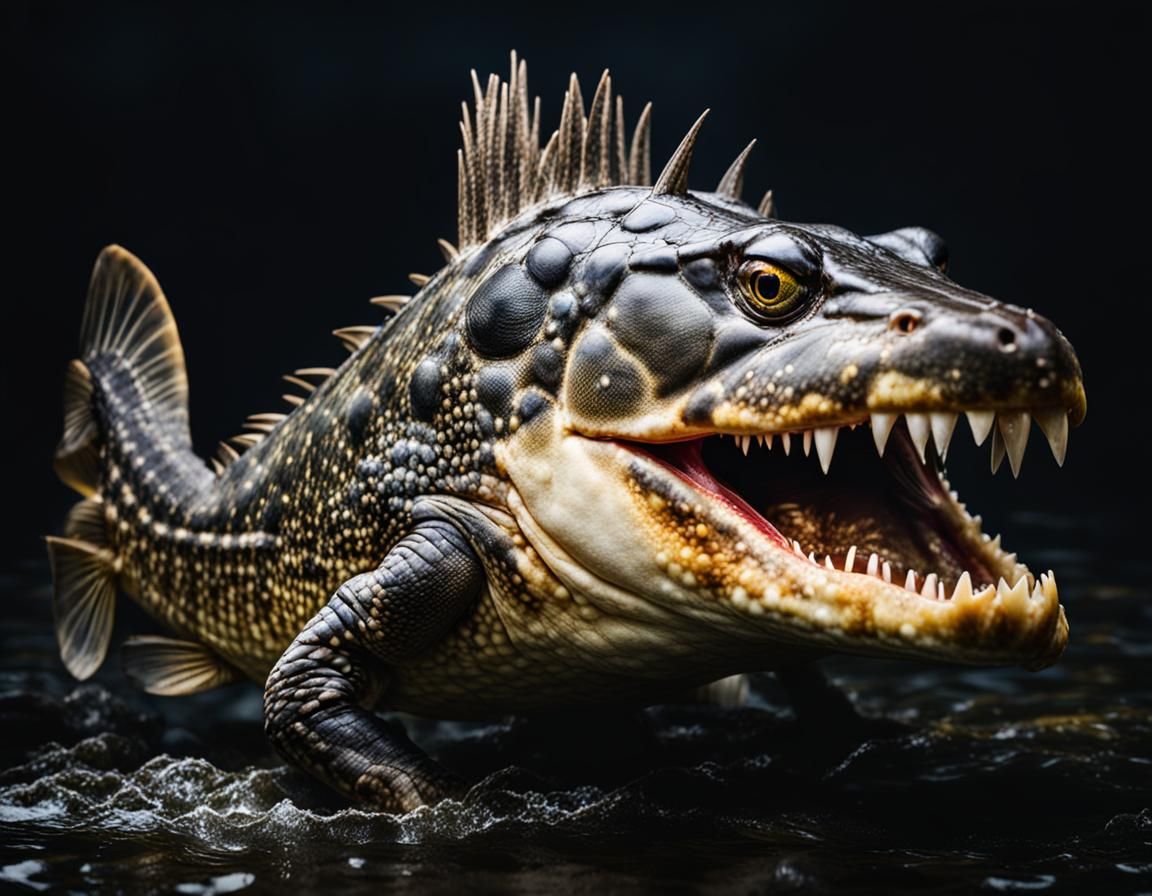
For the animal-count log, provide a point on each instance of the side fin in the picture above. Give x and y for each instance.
(171, 668)
(85, 523)
(77, 460)
(83, 602)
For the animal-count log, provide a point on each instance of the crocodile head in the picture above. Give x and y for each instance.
(740, 422)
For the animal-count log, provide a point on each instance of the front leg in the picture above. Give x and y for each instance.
(317, 703)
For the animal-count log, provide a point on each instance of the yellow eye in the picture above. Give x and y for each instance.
(770, 290)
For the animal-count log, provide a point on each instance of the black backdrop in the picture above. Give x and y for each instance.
(277, 166)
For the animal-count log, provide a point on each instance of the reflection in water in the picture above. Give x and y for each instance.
(999, 780)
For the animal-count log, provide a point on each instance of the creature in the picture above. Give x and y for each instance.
(574, 470)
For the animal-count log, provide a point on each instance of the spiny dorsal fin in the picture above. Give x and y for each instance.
(77, 460)
(172, 668)
(767, 206)
(247, 439)
(86, 523)
(732, 183)
(391, 303)
(352, 338)
(673, 180)
(264, 422)
(83, 602)
(501, 169)
(640, 155)
(450, 252)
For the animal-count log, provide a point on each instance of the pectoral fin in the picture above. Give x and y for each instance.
(171, 668)
(83, 602)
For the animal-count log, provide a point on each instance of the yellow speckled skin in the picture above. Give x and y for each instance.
(511, 416)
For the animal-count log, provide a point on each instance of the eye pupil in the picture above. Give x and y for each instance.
(768, 286)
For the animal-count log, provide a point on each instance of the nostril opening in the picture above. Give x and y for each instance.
(1007, 339)
(904, 321)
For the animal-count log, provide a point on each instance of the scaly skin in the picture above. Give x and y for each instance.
(506, 499)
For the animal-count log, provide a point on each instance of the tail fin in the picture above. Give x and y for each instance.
(131, 368)
(127, 319)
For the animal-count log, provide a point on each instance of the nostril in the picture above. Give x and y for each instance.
(905, 321)
(1007, 339)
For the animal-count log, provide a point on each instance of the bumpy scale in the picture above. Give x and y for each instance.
(574, 469)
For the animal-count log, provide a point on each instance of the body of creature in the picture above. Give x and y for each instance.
(631, 439)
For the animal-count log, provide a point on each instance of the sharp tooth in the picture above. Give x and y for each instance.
(981, 423)
(745, 444)
(881, 429)
(812, 557)
(940, 591)
(997, 450)
(1050, 590)
(807, 442)
(1055, 426)
(760, 440)
(786, 438)
(942, 425)
(1014, 425)
(850, 560)
(1015, 599)
(929, 589)
(963, 589)
(873, 565)
(796, 547)
(985, 593)
(919, 427)
(910, 580)
(886, 571)
(828, 562)
(769, 439)
(826, 444)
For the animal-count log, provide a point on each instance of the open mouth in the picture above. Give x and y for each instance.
(869, 498)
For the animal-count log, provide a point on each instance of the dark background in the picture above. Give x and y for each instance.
(278, 166)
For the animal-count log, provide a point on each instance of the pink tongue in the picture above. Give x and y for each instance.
(687, 459)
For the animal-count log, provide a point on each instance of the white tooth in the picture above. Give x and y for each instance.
(919, 427)
(886, 571)
(981, 423)
(929, 589)
(786, 438)
(963, 589)
(850, 560)
(940, 591)
(760, 440)
(1016, 598)
(997, 450)
(769, 439)
(812, 557)
(985, 593)
(745, 444)
(881, 428)
(994, 543)
(1055, 427)
(1002, 587)
(807, 442)
(826, 444)
(828, 562)
(1050, 590)
(796, 547)
(1014, 426)
(910, 581)
(873, 565)
(942, 425)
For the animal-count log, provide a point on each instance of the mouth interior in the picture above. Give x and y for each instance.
(895, 507)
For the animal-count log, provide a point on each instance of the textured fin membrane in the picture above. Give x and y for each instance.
(83, 602)
(77, 459)
(170, 667)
